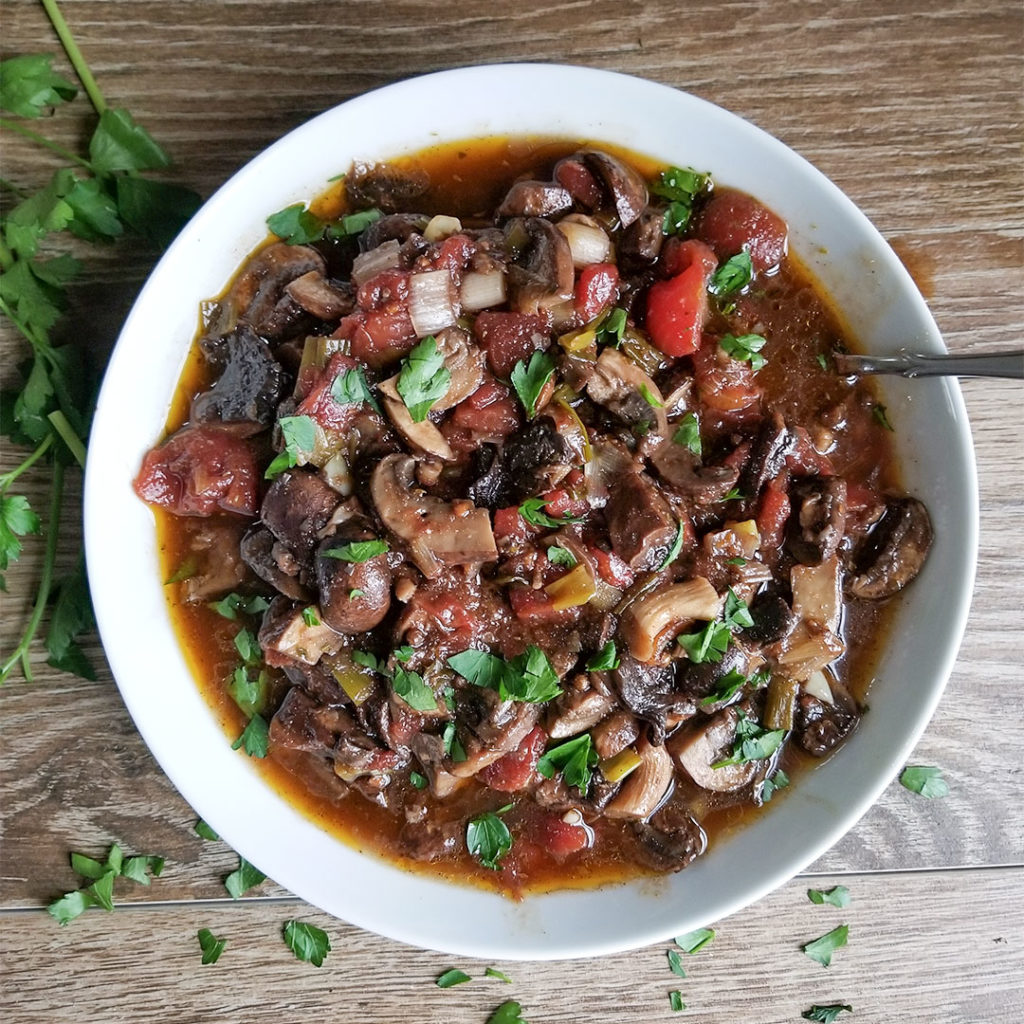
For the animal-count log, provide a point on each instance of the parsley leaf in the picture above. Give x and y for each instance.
(419, 781)
(255, 738)
(450, 740)
(307, 942)
(243, 878)
(204, 831)
(140, 869)
(725, 688)
(210, 945)
(295, 225)
(350, 388)
(508, 1013)
(530, 510)
(771, 785)
(530, 380)
(693, 942)
(230, 605)
(605, 660)
(688, 434)
(451, 978)
(677, 546)
(423, 379)
(839, 896)
(488, 839)
(29, 85)
(881, 417)
(752, 742)
(16, 520)
(310, 617)
(736, 614)
(675, 963)
(707, 644)
(299, 434)
(411, 688)
(155, 209)
(732, 276)
(925, 780)
(247, 647)
(679, 185)
(675, 1000)
(493, 972)
(358, 550)
(574, 758)
(119, 144)
(744, 347)
(353, 223)
(826, 1014)
(612, 328)
(558, 555)
(528, 677)
(822, 948)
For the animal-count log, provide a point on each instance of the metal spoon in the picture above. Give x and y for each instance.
(909, 364)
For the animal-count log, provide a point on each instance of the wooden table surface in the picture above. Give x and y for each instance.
(914, 108)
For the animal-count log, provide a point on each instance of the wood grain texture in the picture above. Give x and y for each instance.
(919, 951)
(915, 110)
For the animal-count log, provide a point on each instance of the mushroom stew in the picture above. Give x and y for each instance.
(515, 518)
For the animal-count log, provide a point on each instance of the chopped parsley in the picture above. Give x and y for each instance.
(732, 276)
(558, 555)
(752, 742)
(204, 831)
(255, 738)
(529, 380)
(574, 758)
(508, 1013)
(309, 943)
(677, 545)
(452, 747)
(423, 379)
(232, 604)
(411, 688)
(527, 677)
(650, 398)
(822, 948)
(680, 186)
(299, 434)
(675, 1000)
(733, 494)
(675, 963)
(839, 896)
(725, 688)
(247, 647)
(924, 780)
(712, 641)
(245, 877)
(296, 225)
(488, 838)
(418, 781)
(612, 328)
(356, 592)
(881, 417)
(693, 942)
(451, 978)
(605, 660)
(530, 510)
(350, 388)
(745, 347)
(688, 434)
(358, 550)
(771, 785)
(822, 360)
(309, 616)
(826, 1014)
(493, 972)
(210, 945)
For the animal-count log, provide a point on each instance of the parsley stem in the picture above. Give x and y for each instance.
(39, 341)
(78, 62)
(46, 143)
(8, 478)
(45, 582)
(60, 423)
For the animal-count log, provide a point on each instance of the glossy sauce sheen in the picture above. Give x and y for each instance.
(468, 180)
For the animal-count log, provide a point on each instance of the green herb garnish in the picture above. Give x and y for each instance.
(411, 688)
(732, 276)
(924, 780)
(233, 604)
(771, 785)
(309, 943)
(350, 388)
(688, 434)
(650, 398)
(299, 435)
(826, 1014)
(204, 831)
(245, 877)
(210, 945)
(530, 510)
(529, 380)
(508, 1013)
(752, 742)
(612, 328)
(822, 948)
(418, 781)
(881, 417)
(744, 347)
(839, 896)
(707, 644)
(423, 379)
(558, 555)
(255, 738)
(493, 972)
(693, 942)
(675, 1000)
(488, 838)
(310, 617)
(574, 758)
(675, 963)
(605, 660)
(527, 677)
(451, 978)
(357, 550)
(677, 546)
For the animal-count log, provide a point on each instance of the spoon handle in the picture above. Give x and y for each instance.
(908, 364)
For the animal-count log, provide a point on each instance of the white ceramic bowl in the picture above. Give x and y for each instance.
(882, 307)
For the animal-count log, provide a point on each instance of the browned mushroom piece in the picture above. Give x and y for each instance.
(630, 394)
(354, 596)
(628, 190)
(699, 748)
(894, 551)
(645, 787)
(535, 199)
(819, 524)
(542, 276)
(651, 619)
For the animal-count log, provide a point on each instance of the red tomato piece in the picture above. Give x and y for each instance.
(806, 459)
(733, 221)
(453, 255)
(388, 290)
(596, 288)
(559, 838)
(319, 403)
(612, 569)
(560, 504)
(511, 526)
(678, 307)
(489, 413)
(724, 384)
(509, 337)
(536, 606)
(773, 513)
(378, 339)
(679, 253)
(580, 183)
(201, 470)
(516, 770)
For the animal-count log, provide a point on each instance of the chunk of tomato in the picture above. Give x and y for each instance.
(377, 338)
(596, 288)
(509, 337)
(724, 384)
(489, 413)
(319, 403)
(773, 513)
(560, 838)
(201, 470)
(677, 308)
(733, 221)
(535, 606)
(516, 770)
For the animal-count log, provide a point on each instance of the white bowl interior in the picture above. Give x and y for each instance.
(881, 306)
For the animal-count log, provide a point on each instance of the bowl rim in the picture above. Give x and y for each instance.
(533, 929)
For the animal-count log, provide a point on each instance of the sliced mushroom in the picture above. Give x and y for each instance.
(642, 240)
(684, 473)
(820, 520)
(535, 199)
(613, 734)
(577, 711)
(464, 361)
(491, 728)
(273, 563)
(817, 598)
(423, 436)
(437, 533)
(697, 749)
(285, 634)
(630, 394)
(651, 618)
(773, 443)
(641, 525)
(649, 692)
(298, 505)
(645, 787)
(316, 295)
(628, 190)
(894, 552)
(671, 839)
(354, 596)
(543, 275)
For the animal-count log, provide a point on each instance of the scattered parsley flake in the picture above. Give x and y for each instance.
(822, 948)
(574, 758)
(530, 510)
(358, 550)
(210, 945)
(677, 546)
(558, 555)
(423, 379)
(688, 434)
(255, 738)
(411, 688)
(452, 978)
(881, 417)
(309, 616)
(488, 839)
(693, 942)
(204, 831)
(675, 1000)
(529, 380)
(826, 1014)
(245, 877)
(309, 943)
(744, 347)
(605, 660)
(508, 1013)
(839, 896)
(732, 276)
(771, 785)
(675, 963)
(925, 780)
(493, 972)
(299, 435)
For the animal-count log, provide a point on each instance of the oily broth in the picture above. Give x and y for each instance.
(468, 179)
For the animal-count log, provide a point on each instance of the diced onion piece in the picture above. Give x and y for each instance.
(368, 265)
(316, 350)
(578, 427)
(482, 291)
(780, 702)
(616, 768)
(817, 686)
(337, 474)
(574, 588)
(562, 314)
(441, 227)
(587, 242)
(431, 308)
